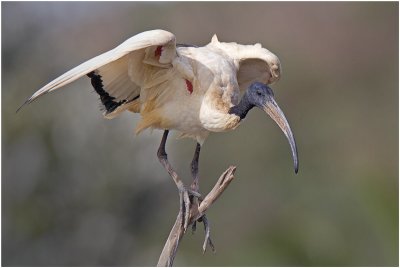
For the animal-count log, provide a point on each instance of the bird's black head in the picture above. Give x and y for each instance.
(261, 95)
(258, 94)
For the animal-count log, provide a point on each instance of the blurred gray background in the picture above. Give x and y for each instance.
(78, 189)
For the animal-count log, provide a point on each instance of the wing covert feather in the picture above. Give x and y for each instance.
(114, 66)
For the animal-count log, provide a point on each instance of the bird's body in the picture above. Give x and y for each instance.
(195, 103)
(186, 88)
(194, 90)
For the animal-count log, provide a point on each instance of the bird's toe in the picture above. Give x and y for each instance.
(185, 204)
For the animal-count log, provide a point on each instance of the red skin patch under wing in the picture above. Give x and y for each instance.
(158, 52)
(189, 86)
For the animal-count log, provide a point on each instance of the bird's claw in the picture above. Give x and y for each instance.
(187, 198)
(185, 203)
(194, 227)
(194, 193)
(207, 239)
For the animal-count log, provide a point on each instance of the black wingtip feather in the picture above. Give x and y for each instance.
(23, 104)
(108, 101)
(185, 45)
(28, 101)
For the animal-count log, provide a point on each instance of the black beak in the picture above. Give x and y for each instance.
(273, 110)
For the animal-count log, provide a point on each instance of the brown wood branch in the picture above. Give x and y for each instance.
(197, 211)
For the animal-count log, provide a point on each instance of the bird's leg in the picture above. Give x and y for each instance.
(183, 192)
(195, 169)
(195, 187)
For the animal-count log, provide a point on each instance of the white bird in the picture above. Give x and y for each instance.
(194, 90)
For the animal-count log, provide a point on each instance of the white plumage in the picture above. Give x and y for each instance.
(151, 75)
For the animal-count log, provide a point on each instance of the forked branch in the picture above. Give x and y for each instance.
(197, 212)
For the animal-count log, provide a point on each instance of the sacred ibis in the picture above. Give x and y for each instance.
(194, 90)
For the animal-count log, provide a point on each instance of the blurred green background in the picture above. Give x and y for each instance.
(78, 189)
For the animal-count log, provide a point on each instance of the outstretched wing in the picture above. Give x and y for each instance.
(255, 63)
(117, 75)
(256, 70)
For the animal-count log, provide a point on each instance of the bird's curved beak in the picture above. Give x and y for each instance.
(273, 110)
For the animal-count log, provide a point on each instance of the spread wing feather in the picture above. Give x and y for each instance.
(254, 62)
(117, 74)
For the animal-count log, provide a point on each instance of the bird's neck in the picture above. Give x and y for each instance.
(242, 108)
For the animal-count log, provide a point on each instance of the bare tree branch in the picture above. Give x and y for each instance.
(197, 212)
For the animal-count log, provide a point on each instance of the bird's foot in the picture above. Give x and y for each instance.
(190, 200)
(186, 196)
(207, 238)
